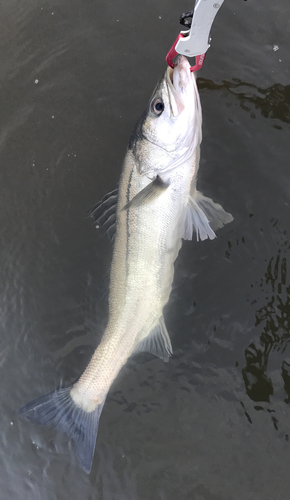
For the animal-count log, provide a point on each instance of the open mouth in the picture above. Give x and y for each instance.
(177, 104)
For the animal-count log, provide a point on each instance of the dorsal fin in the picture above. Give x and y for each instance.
(157, 342)
(103, 213)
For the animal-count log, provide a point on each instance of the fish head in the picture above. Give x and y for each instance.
(169, 130)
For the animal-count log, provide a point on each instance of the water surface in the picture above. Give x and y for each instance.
(213, 423)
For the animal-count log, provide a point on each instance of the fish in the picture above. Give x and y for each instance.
(155, 205)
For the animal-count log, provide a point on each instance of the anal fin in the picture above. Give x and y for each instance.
(157, 342)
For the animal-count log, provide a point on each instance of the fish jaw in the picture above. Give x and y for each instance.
(181, 86)
(165, 141)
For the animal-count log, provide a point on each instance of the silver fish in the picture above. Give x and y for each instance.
(156, 205)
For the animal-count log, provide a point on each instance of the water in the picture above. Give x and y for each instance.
(213, 423)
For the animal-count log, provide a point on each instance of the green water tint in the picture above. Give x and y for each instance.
(273, 102)
(274, 318)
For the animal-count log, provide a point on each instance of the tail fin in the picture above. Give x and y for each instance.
(59, 409)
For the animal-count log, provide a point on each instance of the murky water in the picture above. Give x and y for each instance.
(213, 423)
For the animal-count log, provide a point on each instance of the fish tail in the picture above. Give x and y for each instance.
(58, 408)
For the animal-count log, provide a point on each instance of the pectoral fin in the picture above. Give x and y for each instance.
(148, 194)
(204, 216)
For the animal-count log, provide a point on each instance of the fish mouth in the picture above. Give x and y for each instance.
(178, 80)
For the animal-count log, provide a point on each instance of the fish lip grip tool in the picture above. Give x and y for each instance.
(195, 41)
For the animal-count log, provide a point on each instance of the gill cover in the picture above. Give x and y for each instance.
(170, 128)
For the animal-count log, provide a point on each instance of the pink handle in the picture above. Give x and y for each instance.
(172, 54)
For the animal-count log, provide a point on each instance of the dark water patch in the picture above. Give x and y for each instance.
(272, 320)
(272, 102)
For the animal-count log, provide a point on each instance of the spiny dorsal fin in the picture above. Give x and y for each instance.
(157, 342)
(104, 213)
(148, 194)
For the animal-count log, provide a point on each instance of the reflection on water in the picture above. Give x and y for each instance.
(258, 385)
(273, 102)
(274, 317)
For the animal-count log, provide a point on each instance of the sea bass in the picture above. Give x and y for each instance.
(155, 206)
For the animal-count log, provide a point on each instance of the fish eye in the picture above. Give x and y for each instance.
(157, 106)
